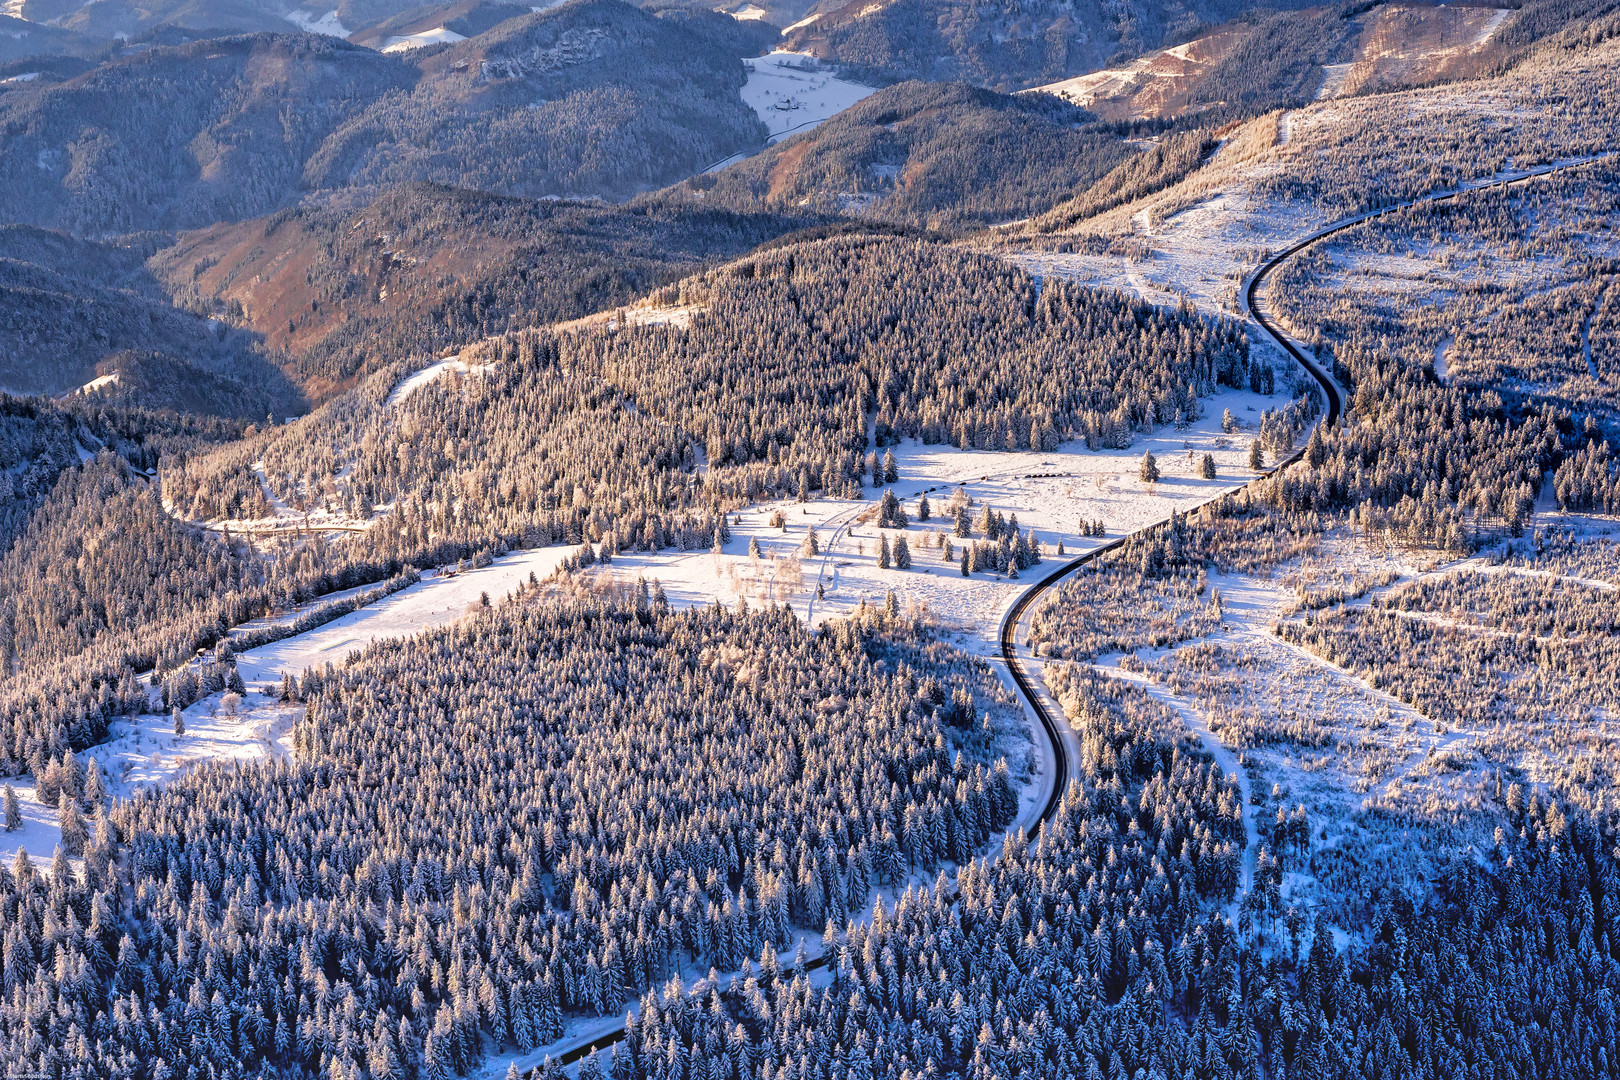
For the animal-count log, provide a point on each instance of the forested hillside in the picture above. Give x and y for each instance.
(941, 155)
(1004, 46)
(1096, 947)
(340, 293)
(934, 344)
(474, 588)
(78, 313)
(593, 98)
(640, 438)
(208, 141)
(1528, 383)
(769, 780)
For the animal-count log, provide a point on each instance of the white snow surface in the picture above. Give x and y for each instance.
(327, 24)
(439, 35)
(39, 834)
(1055, 493)
(439, 598)
(143, 751)
(791, 92)
(806, 21)
(749, 13)
(411, 383)
(98, 382)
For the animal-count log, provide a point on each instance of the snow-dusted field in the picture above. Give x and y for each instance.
(1055, 493)
(437, 36)
(143, 751)
(327, 24)
(39, 834)
(791, 92)
(437, 599)
(432, 373)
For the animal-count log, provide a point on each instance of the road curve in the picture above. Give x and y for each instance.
(1010, 621)
(1335, 406)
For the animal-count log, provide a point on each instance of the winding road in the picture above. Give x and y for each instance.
(1057, 732)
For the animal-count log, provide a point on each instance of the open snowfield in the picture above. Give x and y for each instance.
(1309, 734)
(39, 834)
(142, 751)
(327, 24)
(1054, 493)
(791, 92)
(437, 36)
(437, 599)
(432, 373)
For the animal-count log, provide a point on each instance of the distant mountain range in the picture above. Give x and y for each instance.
(1004, 44)
(335, 293)
(943, 155)
(592, 98)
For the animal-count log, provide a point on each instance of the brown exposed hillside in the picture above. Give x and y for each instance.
(1295, 57)
(341, 292)
(1404, 46)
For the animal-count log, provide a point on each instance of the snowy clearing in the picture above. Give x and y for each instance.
(98, 382)
(143, 751)
(791, 92)
(437, 36)
(1056, 493)
(749, 13)
(39, 833)
(327, 24)
(411, 383)
(441, 597)
(806, 21)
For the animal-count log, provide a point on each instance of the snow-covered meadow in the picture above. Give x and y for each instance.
(329, 24)
(1056, 493)
(141, 751)
(793, 92)
(439, 35)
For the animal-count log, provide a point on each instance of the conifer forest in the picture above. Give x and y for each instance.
(645, 540)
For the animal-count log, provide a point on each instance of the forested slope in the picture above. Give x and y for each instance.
(769, 386)
(72, 311)
(1004, 46)
(595, 97)
(641, 437)
(182, 135)
(766, 780)
(592, 98)
(940, 155)
(338, 293)
(1098, 947)
(575, 797)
